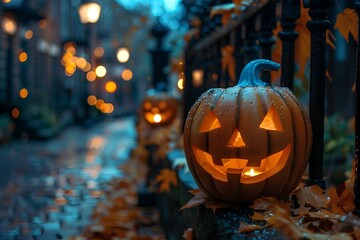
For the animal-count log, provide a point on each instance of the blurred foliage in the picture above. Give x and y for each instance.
(38, 121)
(41, 113)
(4, 120)
(339, 146)
(5, 128)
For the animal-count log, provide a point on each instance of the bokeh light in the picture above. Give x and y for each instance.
(180, 84)
(23, 93)
(110, 86)
(23, 57)
(127, 74)
(91, 100)
(9, 25)
(91, 76)
(43, 23)
(29, 34)
(100, 71)
(99, 52)
(15, 113)
(123, 55)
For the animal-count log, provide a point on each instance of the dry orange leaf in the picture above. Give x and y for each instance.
(165, 178)
(188, 234)
(313, 196)
(245, 228)
(228, 61)
(347, 23)
(225, 10)
(199, 198)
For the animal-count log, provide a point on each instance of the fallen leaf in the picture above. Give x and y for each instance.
(188, 234)
(258, 217)
(312, 196)
(165, 178)
(199, 198)
(347, 23)
(245, 228)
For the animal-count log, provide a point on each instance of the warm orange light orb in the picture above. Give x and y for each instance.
(91, 76)
(91, 100)
(89, 12)
(110, 86)
(29, 34)
(180, 84)
(15, 113)
(127, 74)
(43, 23)
(123, 55)
(99, 103)
(23, 57)
(9, 25)
(99, 52)
(100, 71)
(23, 93)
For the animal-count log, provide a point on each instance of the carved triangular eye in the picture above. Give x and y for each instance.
(236, 140)
(271, 121)
(209, 123)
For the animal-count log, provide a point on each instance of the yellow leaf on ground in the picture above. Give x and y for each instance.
(347, 23)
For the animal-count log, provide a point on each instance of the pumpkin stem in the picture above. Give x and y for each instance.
(250, 73)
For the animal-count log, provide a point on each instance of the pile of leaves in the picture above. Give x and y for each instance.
(310, 213)
(119, 216)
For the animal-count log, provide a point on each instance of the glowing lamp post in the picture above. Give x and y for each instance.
(9, 26)
(89, 13)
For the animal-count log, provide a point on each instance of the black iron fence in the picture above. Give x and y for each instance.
(217, 58)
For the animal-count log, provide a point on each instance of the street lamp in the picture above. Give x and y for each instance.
(89, 13)
(9, 26)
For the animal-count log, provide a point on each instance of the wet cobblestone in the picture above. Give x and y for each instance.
(48, 189)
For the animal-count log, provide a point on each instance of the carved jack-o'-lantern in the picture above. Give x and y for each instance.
(249, 140)
(159, 108)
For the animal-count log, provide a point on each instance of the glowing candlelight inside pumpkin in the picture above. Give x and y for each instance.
(157, 118)
(251, 173)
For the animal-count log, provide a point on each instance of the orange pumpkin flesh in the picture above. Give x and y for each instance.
(249, 140)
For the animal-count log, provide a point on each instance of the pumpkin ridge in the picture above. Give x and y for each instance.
(279, 94)
(294, 101)
(307, 130)
(266, 184)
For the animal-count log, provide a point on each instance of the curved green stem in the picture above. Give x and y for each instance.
(250, 74)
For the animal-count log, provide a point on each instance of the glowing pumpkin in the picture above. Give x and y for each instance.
(159, 108)
(249, 140)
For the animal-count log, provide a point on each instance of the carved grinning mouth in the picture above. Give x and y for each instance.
(268, 167)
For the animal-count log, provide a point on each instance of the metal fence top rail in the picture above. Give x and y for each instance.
(218, 33)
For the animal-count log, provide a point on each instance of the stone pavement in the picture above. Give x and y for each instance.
(49, 189)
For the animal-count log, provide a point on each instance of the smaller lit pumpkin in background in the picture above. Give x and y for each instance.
(159, 108)
(247, 141)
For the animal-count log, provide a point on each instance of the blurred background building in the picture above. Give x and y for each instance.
(58, 69)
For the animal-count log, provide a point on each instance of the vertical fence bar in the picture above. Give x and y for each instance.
(317, 26)
(266, 41)
(357, 116)
(251, 49)
(289, 14)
